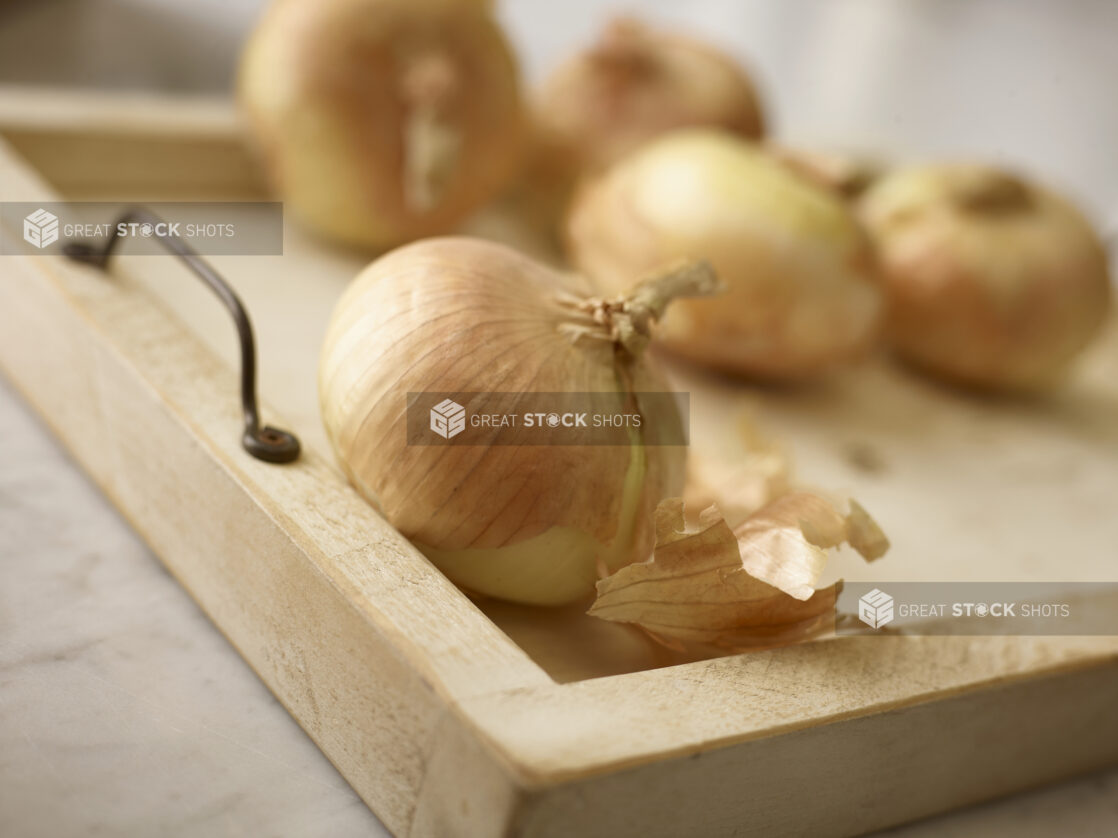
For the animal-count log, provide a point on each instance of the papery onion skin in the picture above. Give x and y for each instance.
(802, 291)
(992, 282)
(712, 589)
(639, 82)
(332, 88)
(464, 315)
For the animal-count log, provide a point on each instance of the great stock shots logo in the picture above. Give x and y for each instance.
(448, 419)
(875, 609)
(40, 228)
(212, 228)
(1023, 609)
(546, 418)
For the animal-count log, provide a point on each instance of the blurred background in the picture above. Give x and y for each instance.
(1029, 83)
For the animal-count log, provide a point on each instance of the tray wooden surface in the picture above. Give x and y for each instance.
(451, 717)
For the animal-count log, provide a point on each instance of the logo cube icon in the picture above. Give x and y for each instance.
(40, 228)
(448, 419)
(875, 609)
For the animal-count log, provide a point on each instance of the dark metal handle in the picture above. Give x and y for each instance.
(269, 444)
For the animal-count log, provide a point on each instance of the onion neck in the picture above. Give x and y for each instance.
(627, 320)
(625, 52)
(992, 193)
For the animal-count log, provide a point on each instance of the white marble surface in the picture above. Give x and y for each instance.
(124, 712)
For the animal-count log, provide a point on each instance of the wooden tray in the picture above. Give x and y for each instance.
(454, 718)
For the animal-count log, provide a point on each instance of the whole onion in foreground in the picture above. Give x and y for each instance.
(802, 294)
(523, 522)
(637, 83)
(381, 121)
(992, 281)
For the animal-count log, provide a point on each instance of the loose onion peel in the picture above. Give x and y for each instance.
(714, 589)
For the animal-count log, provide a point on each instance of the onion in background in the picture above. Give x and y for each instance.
(802, 295)
(992, 281)
(382, 121)
(639, 82)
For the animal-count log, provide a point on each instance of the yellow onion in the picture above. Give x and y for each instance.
(639, 82)
(991, 281)
(523, 522)
(802, 294)
(381, 121)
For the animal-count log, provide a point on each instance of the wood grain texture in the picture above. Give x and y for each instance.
(434, 714)
(288, 562)
(853, 773)
(99, 146)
